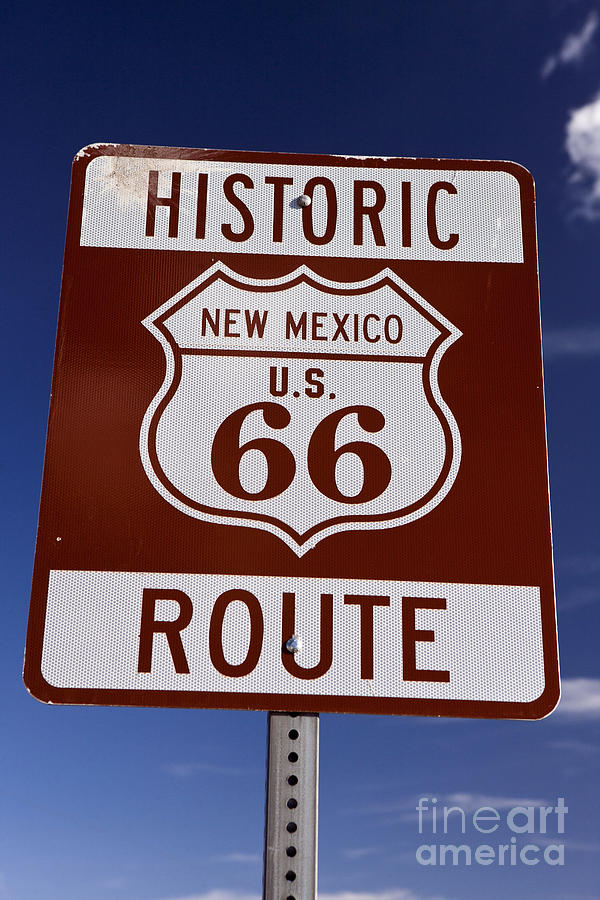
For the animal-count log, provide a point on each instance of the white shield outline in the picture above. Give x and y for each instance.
(300, 543)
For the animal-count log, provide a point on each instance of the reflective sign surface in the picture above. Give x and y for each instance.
(299, 396)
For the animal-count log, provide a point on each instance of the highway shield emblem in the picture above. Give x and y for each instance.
(300, 405)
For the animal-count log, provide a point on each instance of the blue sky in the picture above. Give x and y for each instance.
(143, 804)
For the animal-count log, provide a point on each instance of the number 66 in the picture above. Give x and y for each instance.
(322, 457)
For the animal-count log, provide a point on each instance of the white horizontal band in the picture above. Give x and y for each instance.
(488, 637)
(374, 213)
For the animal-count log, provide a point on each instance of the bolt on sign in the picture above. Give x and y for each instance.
(296, 454)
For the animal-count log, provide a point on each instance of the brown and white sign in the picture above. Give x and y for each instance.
(296, 395)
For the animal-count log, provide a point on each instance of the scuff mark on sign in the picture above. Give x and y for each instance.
(87, 150)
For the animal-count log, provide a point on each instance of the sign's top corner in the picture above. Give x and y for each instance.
(91, 150)
(518, 170)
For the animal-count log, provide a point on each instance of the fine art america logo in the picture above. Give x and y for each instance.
(524, 834)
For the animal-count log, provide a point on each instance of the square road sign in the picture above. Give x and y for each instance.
(296, 452)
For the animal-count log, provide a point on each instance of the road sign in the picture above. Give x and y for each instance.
(296, 454)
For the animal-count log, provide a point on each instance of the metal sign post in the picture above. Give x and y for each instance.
(290, 867)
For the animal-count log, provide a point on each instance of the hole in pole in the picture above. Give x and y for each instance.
(293, 757)
(290, 876)
(292, 803)
(293, 735)
(291, 827)
(293, 779)
(291, 851)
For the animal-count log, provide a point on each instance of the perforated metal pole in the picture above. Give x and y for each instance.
(291, 810)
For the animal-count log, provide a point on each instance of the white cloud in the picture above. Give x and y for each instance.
(406, 811)
(574, 47)
(579, 596)
(217, 895)
(583, 847)
(472, 802)
(583, 748)
(581, 565)
(393, 894)
(238, 858)
(186, 770)
(579, 342)
(113, 884)
(580, 698)
(570, 896)
(582, 569)
(360, 852)
(583, 146)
